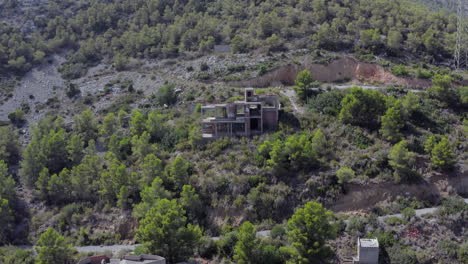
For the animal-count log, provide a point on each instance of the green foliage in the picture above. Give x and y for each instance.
(152, 167)
(442, 155)
(150, 196)
(72, 90)
(16, 256)
(86, 126)
(274, 43)
(399, 254)
(393, 122)
(369, 38)
(462, 253)
(402, 162)
(168, 28)
(166, 95)
(164, 230)
(463, 94)
(191, 203)
(449, 248)
(345, 174)
(394, 39)
(47, 149)
(137, 123)
(386, 239)
(52, 248)
(304, 84)
(328, 103)
(178, 173)
(9, 146)
(17, 118)
(394, 220)
(114, 177)
(420, 73)
(400, 70)
(278, 231)
(408, 213)
(362, 107)
(245, 246)
(441, 89)
(19, 51)
(6, 220)
(120, 62)
(7, 184)
(357, 225)
(239, 44)
(452, 206)
(156, 127)
(298, 152)
(309, 229)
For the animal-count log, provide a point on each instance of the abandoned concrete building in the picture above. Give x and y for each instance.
(253, 116)
(140, 259)
(368, 251)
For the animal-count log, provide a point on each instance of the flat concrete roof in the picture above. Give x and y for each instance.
(366, 242)
(213, 120)
(213, 106)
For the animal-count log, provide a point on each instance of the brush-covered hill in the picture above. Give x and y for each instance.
(101, 138)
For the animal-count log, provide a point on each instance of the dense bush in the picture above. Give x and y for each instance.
(168, 28)
(400, 70)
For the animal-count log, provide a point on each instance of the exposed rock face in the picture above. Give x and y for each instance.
(343, 69)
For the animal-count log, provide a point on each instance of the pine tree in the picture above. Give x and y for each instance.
(309, 229)
(53, 249)
(178, 173)
(442, 155)
(304, 83)
(393, 122)
(402, 162)
(244, 250)
(164, 230)
(150, 195)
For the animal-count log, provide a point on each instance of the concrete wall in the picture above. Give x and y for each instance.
(368, 255)
(270, 119)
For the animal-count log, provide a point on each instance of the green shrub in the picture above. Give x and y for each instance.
(448, 248)
(356, 224)
(408, 213)
(394, 220)
(345, 174)
(17, 117)
(277, 232)
(166, 95)
(400, 70)
(203, 76)
(236, 68)
(204, 67)
(462, 253)
(400, 254)
(420, 73)
(452, 205)
(386, 239)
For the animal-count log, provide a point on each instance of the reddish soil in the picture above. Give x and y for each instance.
(340, 70)
(365, 197)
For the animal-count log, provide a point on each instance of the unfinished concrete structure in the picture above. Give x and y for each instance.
(253, 116)
(368, 251)
(143, 259)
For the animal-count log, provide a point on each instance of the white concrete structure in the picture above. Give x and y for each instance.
(368, 251)
(143, 259)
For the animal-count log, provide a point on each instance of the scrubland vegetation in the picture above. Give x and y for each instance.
(138, 171)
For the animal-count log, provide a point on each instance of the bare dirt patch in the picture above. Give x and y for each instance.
(340, 70)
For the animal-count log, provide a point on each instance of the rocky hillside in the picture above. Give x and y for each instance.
(100, 139)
